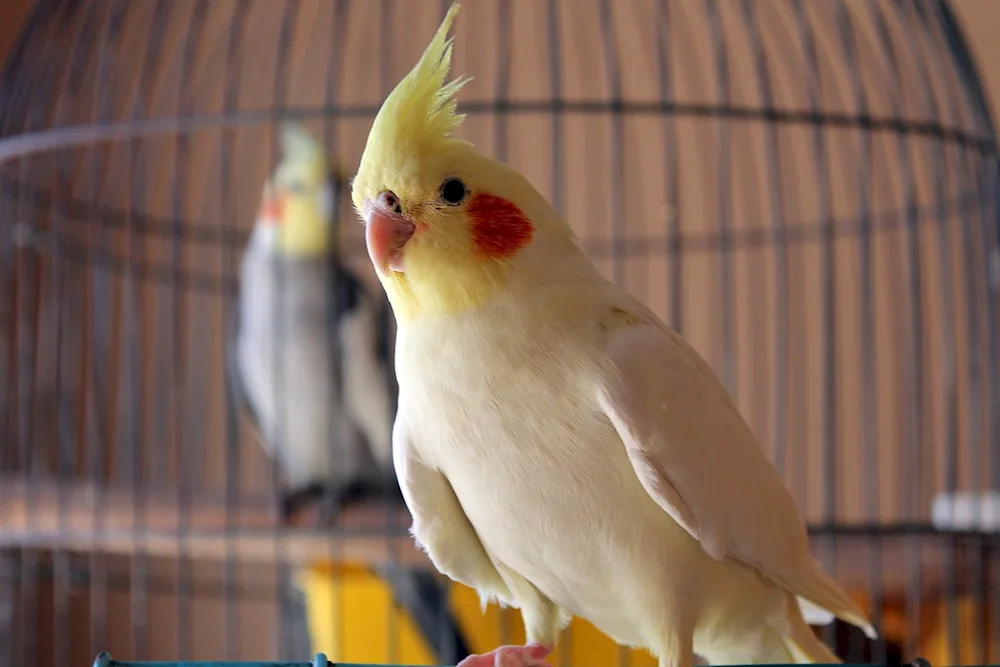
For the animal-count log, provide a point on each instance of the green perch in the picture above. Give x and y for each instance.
(105, 660)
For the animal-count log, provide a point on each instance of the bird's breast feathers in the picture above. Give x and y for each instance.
(500, 408)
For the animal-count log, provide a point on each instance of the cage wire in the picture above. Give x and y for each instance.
(807, 191)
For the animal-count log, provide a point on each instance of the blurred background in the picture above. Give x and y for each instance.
(809, 192)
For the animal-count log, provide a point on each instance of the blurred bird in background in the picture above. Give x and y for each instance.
(307, 360)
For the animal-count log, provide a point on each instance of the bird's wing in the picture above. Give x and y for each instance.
(349, 296)
(238, 395)
(369, 387)
(440, 525)
(698, 460)
(693, 452)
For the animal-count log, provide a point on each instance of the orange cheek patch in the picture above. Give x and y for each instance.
(273, 208)
(499, 229)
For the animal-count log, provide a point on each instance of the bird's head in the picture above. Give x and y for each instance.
(447, 228)
(299, 203)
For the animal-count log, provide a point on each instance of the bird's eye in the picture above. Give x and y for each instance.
(453, 192)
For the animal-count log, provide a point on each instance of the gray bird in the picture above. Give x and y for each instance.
(307, 360)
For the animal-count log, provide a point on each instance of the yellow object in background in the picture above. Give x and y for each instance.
(972, 620)
(349, 610)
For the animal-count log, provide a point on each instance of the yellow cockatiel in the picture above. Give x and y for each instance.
(560, 448)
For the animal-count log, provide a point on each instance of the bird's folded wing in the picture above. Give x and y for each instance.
(238, 396)
(699, 461)
(440, 525)
(693, 452)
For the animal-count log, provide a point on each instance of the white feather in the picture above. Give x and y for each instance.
(506, 456)
(694, 454)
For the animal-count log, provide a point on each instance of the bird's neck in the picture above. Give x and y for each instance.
(294, 242)
(456, 290)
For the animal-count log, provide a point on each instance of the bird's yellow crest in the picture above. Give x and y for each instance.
(419, 114)
(448, 228)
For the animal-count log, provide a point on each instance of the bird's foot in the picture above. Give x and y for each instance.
(529, 655)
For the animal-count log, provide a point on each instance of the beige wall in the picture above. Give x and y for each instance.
(980, 19)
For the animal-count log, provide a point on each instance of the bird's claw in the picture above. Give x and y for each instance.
(529, 655)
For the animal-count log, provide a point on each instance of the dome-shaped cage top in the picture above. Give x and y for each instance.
(808, 191)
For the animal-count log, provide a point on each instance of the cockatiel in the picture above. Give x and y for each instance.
(561, 449)
(308, 361)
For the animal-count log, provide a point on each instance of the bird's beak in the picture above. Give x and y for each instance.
(272, 206)
(386, 232)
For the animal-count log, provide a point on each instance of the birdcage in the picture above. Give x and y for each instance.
(807, 191)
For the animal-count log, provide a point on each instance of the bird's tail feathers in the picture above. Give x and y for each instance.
(815, 586)
(806, 649)
(814, 615)
(797, 639)
(779, 646)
